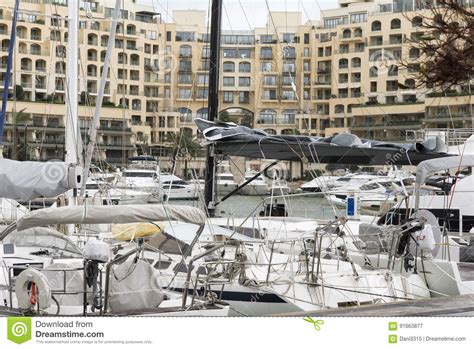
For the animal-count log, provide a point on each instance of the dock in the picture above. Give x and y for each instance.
(440, 306)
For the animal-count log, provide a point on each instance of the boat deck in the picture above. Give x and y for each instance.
(449, 306)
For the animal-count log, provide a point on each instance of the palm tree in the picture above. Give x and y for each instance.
(20, 118)
(185, 147)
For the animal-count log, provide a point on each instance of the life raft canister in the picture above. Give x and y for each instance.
(32, 290)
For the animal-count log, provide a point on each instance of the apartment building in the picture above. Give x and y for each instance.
(338, 74)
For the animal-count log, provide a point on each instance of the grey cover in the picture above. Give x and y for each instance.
(235, 140)
(428, 167)
(111, 214)
(134, 287)
(27, 180)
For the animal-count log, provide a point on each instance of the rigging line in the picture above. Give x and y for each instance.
(245, 15)
(227, 16)
(305, 12)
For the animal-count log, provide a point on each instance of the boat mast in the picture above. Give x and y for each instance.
(95, 125)
(72, 135)
(213, 100)
(11, 50)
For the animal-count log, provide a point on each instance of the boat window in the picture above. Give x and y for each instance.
(343, 179)
(167, 183)
(139, 174)
(409, 181)
(388, 185)
(162, 265)
(202, 271)
(370, 186)
(226, 178)
(92, 186)
(180, 269)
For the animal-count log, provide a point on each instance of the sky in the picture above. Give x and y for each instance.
(255, 15)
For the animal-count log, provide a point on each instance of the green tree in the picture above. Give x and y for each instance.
(185, 147)
(20, 118)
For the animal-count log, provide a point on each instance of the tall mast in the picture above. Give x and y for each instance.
(11, 50)
(95, 125)
(213, 99)
(72, 134)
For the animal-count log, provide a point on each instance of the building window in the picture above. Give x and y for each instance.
(244, 67)
(206, 52)
(228, 97)
(267, 116)
(202, 93)
(395, 24)
(243, 81)
(244, 97)
(358, 17)
(266, 53)
(373, 86)
(269, 80)
(289, 38)
(266, 39)
(269, 95)
(185, 66)
(376, 26)
(185, 51)
(203, 79)
(184, 93)
(202, 113)
(288, 116)
(343, 63)
(306, 39)
(266, 67)
(184, 36)
(289, 67)
(229, 67)
(288, 95)
(229, 81)
(289, 52)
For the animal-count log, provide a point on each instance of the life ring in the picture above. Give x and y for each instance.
(32, 290)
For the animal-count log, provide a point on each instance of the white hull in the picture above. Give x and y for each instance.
(254, 190)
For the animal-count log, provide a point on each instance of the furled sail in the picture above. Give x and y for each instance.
(234, 140)
(27, 180)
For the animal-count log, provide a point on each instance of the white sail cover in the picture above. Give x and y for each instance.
(110, 214)
(27, 180)
(428, 167)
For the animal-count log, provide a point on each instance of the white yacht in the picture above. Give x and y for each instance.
(373, 194)
(175, 188)
(225, 183)
(279, 187)
(319, 184)
(106, 194)
(257, 186)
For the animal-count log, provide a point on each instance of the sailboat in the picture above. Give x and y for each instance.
(32, 287)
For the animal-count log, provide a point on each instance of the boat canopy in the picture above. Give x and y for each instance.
(428, 167)
(28, 180)
(111, 215)
(234, 140)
